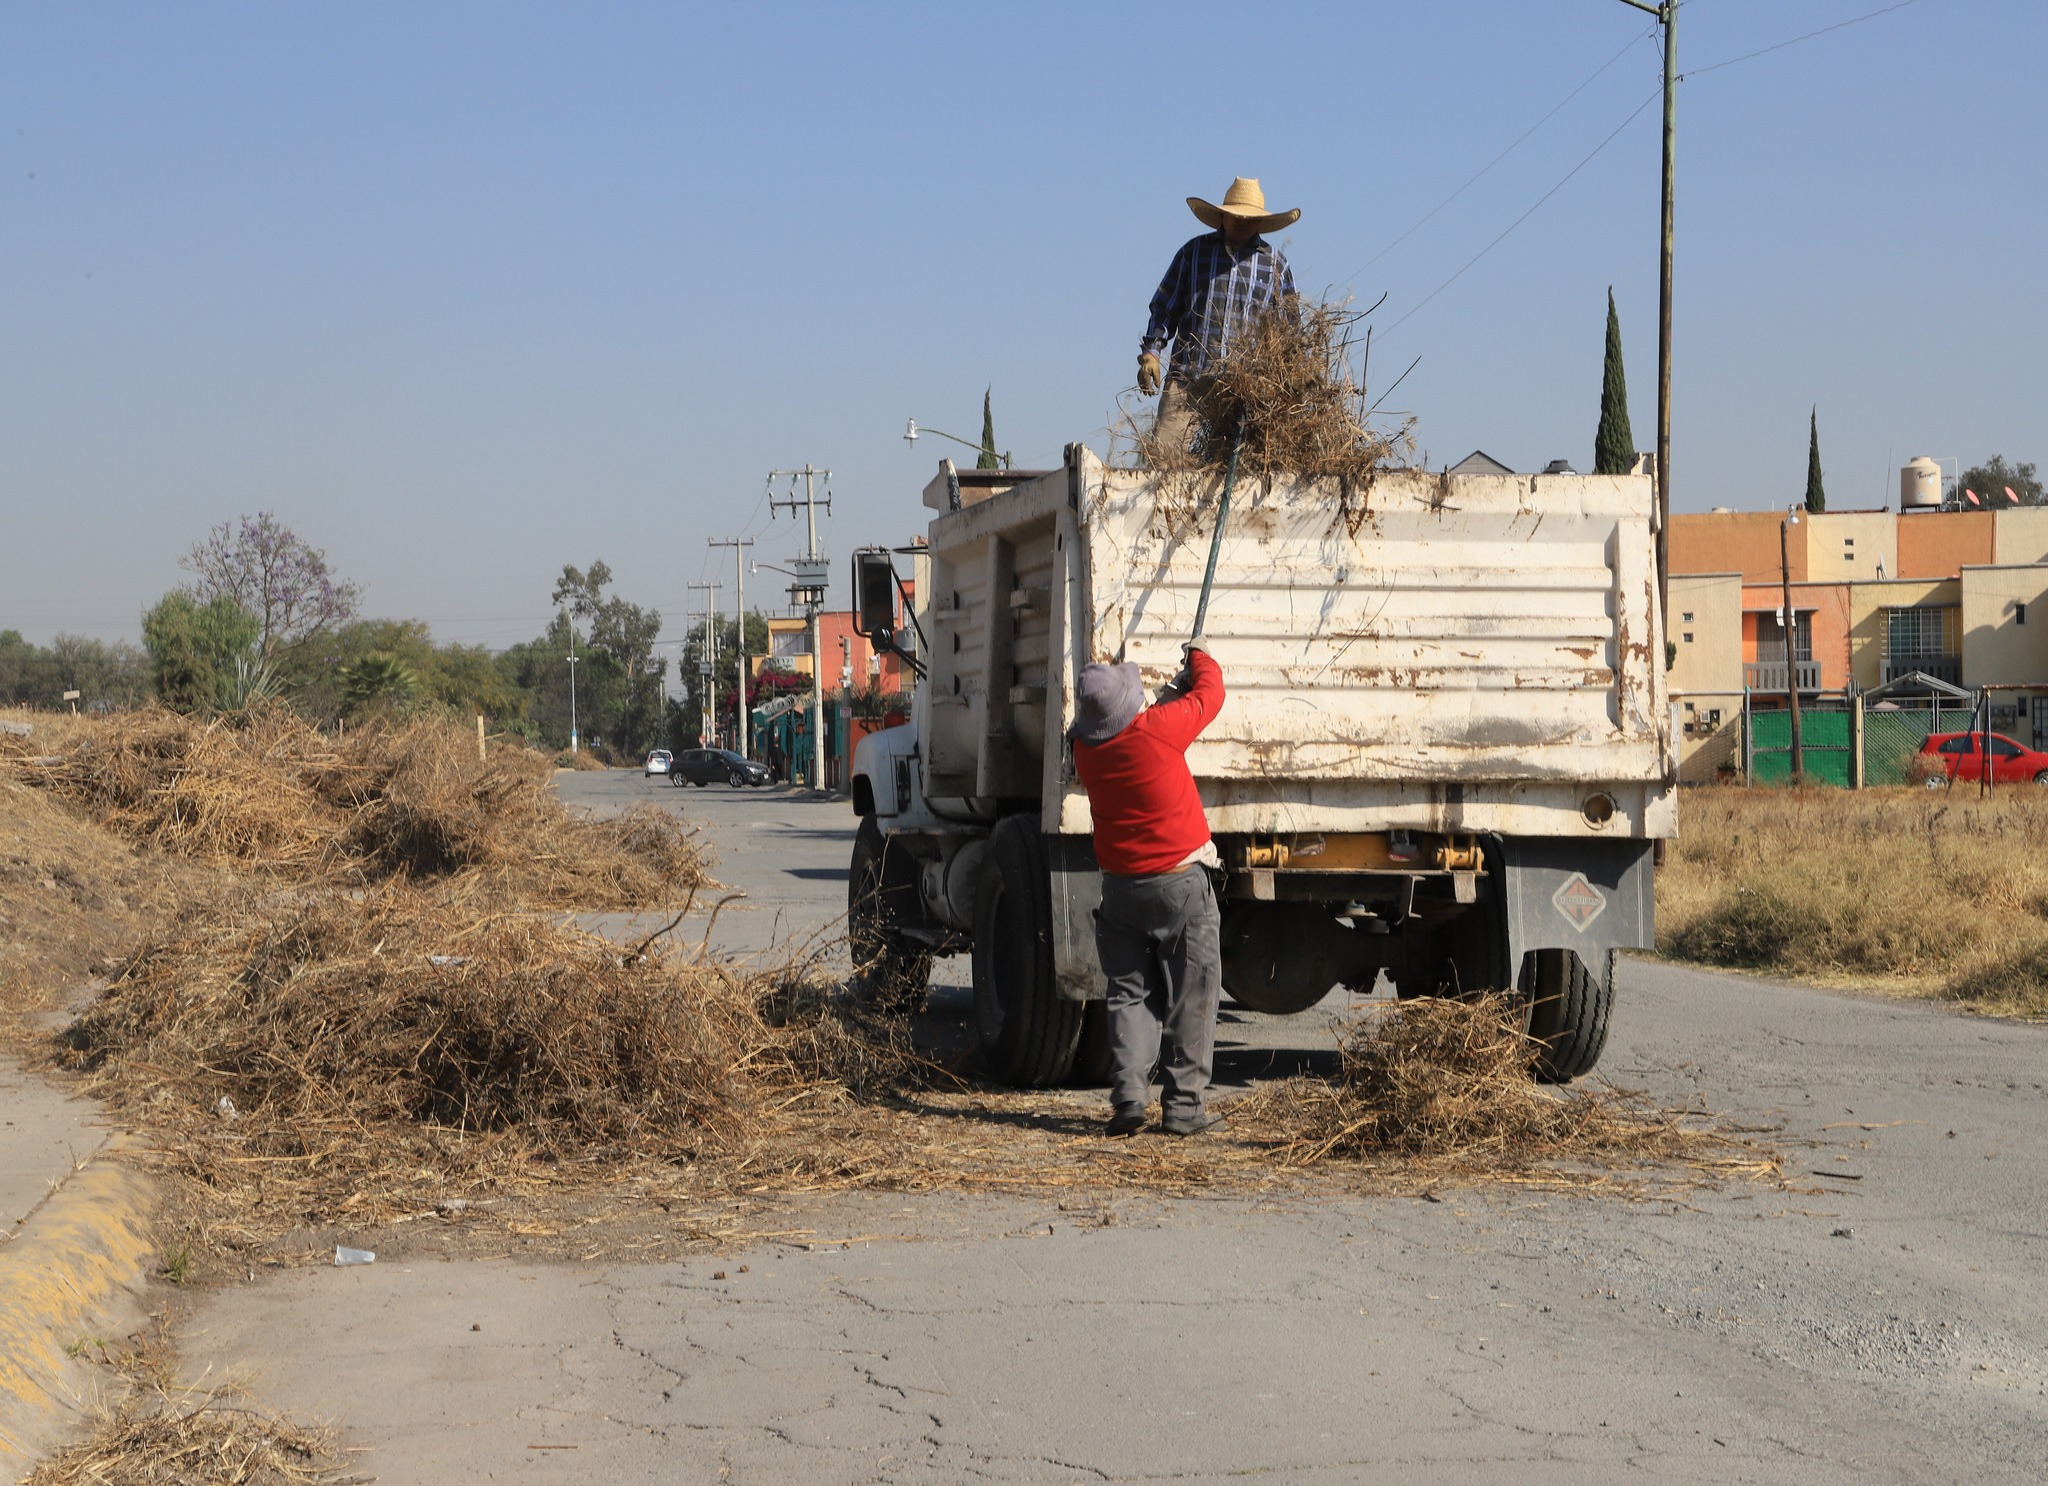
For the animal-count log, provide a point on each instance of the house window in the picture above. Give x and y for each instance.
(1687, 617)
(1688, 637)
(1913, 633)
(1770, 638)
(1848, 541)
(2019, 613)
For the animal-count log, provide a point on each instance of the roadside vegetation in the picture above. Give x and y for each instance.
(1934, 893)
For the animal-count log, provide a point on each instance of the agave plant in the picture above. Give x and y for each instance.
(378, 680)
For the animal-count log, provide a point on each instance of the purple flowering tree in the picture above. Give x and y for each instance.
(277, 577)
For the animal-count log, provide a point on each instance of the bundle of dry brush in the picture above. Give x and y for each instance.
(1447, 1084)
(1290, 387)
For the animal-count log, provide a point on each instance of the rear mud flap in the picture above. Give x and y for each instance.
(1593, 898)
(1076, 894)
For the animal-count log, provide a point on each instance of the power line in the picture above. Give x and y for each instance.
(1794, 41)
(1531, 211)
(1519, 141)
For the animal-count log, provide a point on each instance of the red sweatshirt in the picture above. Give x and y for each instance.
(1148, 818)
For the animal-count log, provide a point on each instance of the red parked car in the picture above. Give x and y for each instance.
(1962, 757)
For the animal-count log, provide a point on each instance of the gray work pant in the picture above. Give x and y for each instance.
(1158, 941)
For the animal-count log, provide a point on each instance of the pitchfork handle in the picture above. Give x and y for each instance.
(1216, 540)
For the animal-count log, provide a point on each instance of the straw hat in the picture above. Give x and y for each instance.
(1245, 200)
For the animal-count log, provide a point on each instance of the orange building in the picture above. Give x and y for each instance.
(1940, 544)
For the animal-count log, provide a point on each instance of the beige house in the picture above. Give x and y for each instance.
(2004, 612)
(1706, 672)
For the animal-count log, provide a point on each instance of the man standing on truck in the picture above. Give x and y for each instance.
(1216, 286)
(1157, 932)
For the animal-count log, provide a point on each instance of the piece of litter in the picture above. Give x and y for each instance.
(451, 1205)
(226, 1108)
(445, 962)
(344, 1256)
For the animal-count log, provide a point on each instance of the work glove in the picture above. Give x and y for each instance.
(1148, 374)
(1188, 650)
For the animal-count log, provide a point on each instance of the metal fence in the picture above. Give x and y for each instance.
(1844, 743)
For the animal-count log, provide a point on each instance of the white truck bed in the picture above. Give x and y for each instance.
(1450, 654)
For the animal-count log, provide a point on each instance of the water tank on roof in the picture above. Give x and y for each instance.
(1920, 485)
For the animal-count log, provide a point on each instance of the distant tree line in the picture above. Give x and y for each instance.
(263, 618)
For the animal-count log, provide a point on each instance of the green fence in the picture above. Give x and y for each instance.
(1824, 743)
(1828, 740)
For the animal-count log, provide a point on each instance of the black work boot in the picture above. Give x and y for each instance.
(1128, 1119)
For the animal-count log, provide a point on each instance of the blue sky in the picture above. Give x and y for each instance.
(466, 292)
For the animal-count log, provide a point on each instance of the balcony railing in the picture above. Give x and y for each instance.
(1769, 675)
(1947, 668)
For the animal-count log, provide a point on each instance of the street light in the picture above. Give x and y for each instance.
(911, 432)
(1791, 628)
(572, 688)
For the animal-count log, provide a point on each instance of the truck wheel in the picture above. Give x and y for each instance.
(1027, 1031)
(889, 972)
(1568, 1010)
(1092, 1062)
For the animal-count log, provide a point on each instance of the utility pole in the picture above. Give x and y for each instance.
(809, 590)
(1797, 761)
(1666, 12)
(739, 547)
(707, 665)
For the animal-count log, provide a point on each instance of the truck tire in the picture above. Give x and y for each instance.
(1027, 1032)
(1568, 1011)
(1092, 1061)
(889, 972)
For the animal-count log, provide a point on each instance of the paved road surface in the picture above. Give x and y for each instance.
(1890, 1327)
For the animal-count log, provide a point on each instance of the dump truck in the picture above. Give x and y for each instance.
(1445, 756)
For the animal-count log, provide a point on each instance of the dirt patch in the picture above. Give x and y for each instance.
(1929, 893)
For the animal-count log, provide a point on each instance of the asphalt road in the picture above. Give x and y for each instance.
(1886, 1324)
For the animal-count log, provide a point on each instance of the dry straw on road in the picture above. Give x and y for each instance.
(381, 1015)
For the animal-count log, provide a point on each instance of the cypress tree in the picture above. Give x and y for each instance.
(987, 459)
(1816, 498)
(1614, 447)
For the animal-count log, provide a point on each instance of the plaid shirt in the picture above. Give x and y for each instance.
(1208, 296)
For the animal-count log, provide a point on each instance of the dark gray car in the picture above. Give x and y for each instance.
(702, 766)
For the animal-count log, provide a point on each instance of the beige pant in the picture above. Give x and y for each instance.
(1174, 428)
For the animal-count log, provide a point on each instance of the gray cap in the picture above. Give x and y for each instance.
(1106, 698)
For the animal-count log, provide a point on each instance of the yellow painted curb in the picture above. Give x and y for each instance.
(63, 1277)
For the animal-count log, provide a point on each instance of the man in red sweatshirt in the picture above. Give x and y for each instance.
(1157, 930)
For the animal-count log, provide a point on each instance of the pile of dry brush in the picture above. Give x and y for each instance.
(1287, 386)
(326, 1057)
(1447, 1084)
(276, 794)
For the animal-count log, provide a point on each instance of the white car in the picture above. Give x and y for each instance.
(658, 762)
